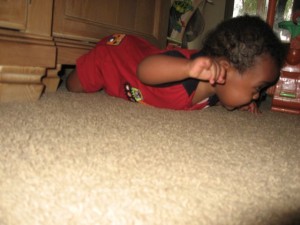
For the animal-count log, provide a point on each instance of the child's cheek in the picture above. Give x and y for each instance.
(233, 98)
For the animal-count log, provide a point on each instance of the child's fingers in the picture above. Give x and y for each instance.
(205, 62)
(218, 73)
(199, 68)
(254, 109)
(222, 75)
(251, 107)
(208, 69)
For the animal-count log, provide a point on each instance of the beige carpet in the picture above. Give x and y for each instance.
(86, 159)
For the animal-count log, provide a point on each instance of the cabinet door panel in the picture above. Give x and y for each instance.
(90, 20)
(91, 10)
(13, 14)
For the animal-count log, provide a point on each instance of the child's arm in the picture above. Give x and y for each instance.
(158, 69)
(73, 84)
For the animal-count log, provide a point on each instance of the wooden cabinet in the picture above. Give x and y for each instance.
(37, 37)
(13, 14)
(84, 22)
(82, 19)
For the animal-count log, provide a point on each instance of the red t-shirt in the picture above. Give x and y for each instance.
(112, 66)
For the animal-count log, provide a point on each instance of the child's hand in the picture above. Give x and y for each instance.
(252, 107)
(205, 68)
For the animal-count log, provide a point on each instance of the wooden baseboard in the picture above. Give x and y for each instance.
(20, 92)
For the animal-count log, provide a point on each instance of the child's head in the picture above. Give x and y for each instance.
(254, 56)
(241, 39)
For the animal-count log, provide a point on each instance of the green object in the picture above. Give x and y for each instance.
(287, 94)
(294, 29)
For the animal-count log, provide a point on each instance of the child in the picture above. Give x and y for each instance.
(239, 59)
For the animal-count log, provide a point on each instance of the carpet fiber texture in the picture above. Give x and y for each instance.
(79, 159)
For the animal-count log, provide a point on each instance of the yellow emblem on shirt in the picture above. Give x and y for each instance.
(115, 39)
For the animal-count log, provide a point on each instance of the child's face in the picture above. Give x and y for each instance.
(241, 89)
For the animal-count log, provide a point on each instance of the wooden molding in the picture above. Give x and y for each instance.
(20, 83)
(27, 54)
(52, 80)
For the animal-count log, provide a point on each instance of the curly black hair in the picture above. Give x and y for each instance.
(241, 39)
